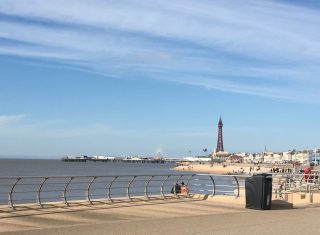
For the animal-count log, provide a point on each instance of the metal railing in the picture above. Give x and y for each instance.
(284, 184)
(15, 191)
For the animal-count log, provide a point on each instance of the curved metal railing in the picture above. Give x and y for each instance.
(284, 184)
(15, 191)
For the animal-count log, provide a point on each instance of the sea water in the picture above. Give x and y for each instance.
(59, 173)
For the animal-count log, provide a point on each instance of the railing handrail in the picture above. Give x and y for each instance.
(137, 175)
(222, 175)
(88, 176)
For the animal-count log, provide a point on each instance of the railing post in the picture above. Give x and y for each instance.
(238, 188)
(88, 189)
(161, 189)
(213, 186)
(39, 191)
(128, 188)
(11, 193)
(146, 187)
(109, 188)
(65, 191)
(187, 184)
(280, 188)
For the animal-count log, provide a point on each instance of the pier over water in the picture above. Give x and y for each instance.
(119, 160)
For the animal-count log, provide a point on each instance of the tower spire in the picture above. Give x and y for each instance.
(220, 138)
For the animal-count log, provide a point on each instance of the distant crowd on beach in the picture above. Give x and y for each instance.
(234, 168)
(281, 170)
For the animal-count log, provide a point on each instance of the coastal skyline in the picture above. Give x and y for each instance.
(139, 78)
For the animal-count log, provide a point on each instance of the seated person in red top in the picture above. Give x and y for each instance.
(307, 171)
(184, 188)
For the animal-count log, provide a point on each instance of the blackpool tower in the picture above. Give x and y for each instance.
(220, 139)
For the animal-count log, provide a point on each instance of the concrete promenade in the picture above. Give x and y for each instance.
(174, 216)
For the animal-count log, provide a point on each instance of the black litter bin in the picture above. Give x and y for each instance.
(259, 192)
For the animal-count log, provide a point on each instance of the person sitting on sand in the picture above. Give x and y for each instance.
(184, 188)
(176, 189)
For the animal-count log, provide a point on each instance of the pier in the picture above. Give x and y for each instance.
(123, 160)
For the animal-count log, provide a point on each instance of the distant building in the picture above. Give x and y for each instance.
(220, 156)
(235, 159)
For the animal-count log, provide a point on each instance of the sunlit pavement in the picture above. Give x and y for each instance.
(175, 216)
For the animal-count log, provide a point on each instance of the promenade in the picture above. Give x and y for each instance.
(224, 215)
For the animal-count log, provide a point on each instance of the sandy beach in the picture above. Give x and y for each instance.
(236, 168)
(224, 169)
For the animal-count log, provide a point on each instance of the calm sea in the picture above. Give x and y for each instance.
(26, 190)
(41, 167)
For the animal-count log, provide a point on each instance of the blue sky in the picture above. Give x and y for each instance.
(139, 77)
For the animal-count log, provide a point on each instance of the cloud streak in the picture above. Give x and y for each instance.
(262, 48)
(7, 119)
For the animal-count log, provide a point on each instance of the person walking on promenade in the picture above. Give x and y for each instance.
(307, 173)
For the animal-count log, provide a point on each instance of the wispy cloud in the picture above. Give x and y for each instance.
(263, 48)
(7, 119)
